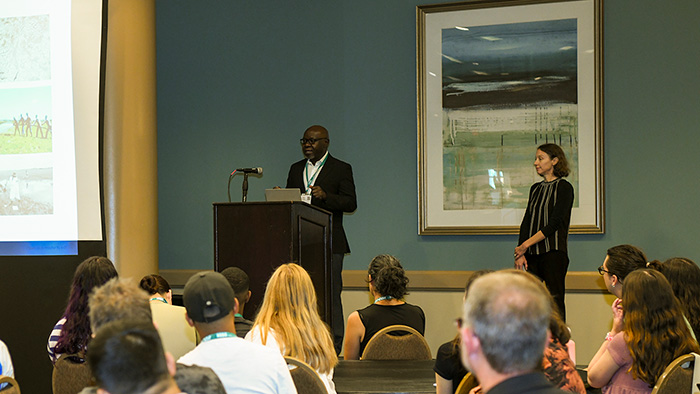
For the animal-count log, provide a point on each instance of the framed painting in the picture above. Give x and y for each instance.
(496, 79)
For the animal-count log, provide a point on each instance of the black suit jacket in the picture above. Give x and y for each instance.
(336, 180)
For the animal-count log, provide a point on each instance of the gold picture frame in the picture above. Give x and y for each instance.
(496, 78)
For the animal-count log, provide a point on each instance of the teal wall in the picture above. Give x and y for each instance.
(239, 81)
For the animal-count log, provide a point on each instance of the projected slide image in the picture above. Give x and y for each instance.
(50, 52)
(26, 122)
(26, 159)
(25, 48)
(26, 192)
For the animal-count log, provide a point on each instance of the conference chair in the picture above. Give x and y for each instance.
(467, 384)
(71, 374)
(12, 386)
(305, 378)
(677, 377)
(390, 344)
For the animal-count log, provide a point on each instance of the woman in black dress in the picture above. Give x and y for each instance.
(542, 248)
(387, 283)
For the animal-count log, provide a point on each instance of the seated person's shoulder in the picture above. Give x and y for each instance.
(193, 379)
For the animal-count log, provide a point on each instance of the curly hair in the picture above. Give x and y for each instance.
(118, 299)
(655, 331)
(684, 276)
(291, 310)
(91, 273)
(561, 169)
(387, 276)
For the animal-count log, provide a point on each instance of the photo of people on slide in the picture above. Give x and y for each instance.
(26, 118)
(26, 192)
(26, 146)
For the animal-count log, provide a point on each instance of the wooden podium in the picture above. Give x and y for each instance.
(257, 237)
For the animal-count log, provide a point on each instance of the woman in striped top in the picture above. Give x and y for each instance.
(544, 231)
(72, 332)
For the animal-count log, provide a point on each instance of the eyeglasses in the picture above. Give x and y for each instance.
(311, 141)
(601, 270)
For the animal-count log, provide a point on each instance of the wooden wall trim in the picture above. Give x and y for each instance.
(576, 281)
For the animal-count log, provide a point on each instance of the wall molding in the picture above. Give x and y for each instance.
(576, 281)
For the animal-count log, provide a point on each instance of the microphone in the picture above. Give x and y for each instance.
(256, 170)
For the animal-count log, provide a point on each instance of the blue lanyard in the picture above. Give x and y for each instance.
(382, 298)
(159, 299)
(217, 335)
(309, 182)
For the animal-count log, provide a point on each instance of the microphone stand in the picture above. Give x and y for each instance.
(228, 189)
(245, 187)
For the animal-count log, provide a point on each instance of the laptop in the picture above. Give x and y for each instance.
(282, 195)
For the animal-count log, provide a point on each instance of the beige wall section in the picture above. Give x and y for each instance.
(130, 171)
(589, 319)
(439, 293)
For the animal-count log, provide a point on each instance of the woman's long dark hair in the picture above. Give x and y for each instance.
(684, 276)
(655, 331)
(93, 272)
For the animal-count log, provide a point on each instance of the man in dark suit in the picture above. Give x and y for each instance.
(327, 183)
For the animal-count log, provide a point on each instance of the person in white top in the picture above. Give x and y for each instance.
(6, 368)
(178, 336)
(242, 366)
(288, 321)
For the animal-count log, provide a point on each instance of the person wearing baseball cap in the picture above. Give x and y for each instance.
(242, 366)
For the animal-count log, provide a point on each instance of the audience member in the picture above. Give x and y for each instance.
(6, 368)
(557, 366)
(288, 321)
(127, 357)
(632, 360)
(619, 261)
(387, 284)
(178, 336)
(158, 288)
(240, 284)
(72, 332)
(448, 368)
(241, 365)
(504, 331)
(118, 299)
(121, 299)
(684, 276)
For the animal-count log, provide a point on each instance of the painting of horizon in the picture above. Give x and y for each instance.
(506, 89)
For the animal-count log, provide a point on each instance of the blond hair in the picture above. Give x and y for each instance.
(290, 309)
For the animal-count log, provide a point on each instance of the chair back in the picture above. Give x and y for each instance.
(677, 377)
(305, 378)
(467, 384)
(387, 346)
(12, 386)
(71, 374)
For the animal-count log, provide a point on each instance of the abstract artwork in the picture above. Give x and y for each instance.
(496, 79)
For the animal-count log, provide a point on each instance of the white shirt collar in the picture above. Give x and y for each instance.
(313, 166)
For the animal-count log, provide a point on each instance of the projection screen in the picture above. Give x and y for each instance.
(51, 55)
